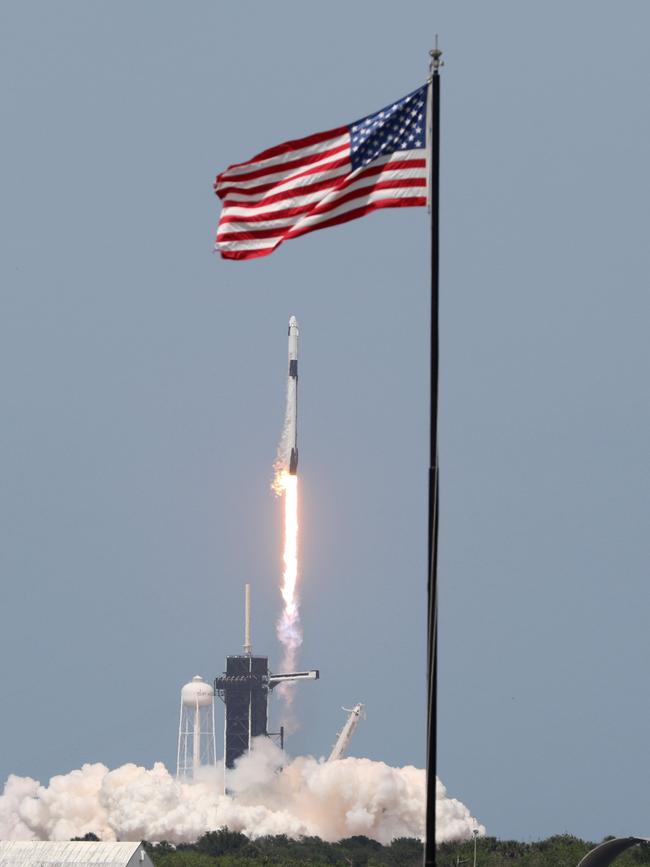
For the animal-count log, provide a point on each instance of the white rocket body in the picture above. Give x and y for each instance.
(292, 396)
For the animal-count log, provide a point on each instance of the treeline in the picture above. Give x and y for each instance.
(226, 848)
(560, 851)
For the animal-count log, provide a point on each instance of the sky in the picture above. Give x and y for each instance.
(142, 386)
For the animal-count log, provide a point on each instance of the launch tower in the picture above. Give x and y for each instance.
(244, 688)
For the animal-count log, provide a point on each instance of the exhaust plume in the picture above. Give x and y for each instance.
(285, 485)
(288, 627)
(270, 794)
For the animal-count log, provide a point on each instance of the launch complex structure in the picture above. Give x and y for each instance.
(244, 688)
(245, 685)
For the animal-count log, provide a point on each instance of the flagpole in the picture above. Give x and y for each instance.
(432, 632)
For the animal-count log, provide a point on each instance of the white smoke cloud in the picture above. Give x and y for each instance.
(307, 797)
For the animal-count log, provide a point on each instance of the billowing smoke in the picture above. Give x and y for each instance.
(331, 800)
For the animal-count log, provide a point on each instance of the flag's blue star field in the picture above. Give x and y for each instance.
(401, 126)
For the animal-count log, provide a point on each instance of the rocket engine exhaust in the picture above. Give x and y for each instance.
(285, 484)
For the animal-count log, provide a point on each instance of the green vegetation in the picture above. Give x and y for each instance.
(226, 848)
(560, 851)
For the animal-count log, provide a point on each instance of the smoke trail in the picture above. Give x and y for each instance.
(281, 465)
(331, 800)
(285, 485)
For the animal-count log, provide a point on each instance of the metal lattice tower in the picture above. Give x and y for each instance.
(196, 741)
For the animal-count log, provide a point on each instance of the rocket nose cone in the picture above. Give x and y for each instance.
(293, 322)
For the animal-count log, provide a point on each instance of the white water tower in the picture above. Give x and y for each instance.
(196, 742)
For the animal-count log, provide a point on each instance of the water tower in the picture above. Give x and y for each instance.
(196, 743)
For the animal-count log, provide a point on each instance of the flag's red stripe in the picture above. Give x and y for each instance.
(303, 209)
(343, 218)
(359, 212)
(294, 145)
(268, 215)
(315, 210)
(246, 254)
(298, 163)
(333, 183)
(263, 188)
(292, 193)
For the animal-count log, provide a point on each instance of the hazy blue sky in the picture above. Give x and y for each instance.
(142, 388)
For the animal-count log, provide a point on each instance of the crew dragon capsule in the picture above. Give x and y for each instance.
(292, 392)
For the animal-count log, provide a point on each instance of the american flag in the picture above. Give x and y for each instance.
(325, 179)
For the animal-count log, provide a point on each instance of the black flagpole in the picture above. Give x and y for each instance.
(432, 644)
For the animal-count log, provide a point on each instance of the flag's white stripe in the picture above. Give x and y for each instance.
(285, 179)
(289, 184)
(287, 156)
(236, 246)
(247, 226)
(360, 202)
(230, 212)
(279, 176)
(304, 223)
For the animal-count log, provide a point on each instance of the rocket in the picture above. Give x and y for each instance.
(293, 391)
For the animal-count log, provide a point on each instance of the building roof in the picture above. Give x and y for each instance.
(50, 854)
(608, 851)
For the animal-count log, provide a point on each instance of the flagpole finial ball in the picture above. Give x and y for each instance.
(436, 58)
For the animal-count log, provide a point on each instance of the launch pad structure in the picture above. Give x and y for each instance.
(244, 688)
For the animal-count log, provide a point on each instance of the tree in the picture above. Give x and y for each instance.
(405, 851)
(221, 842)
(184, 858)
